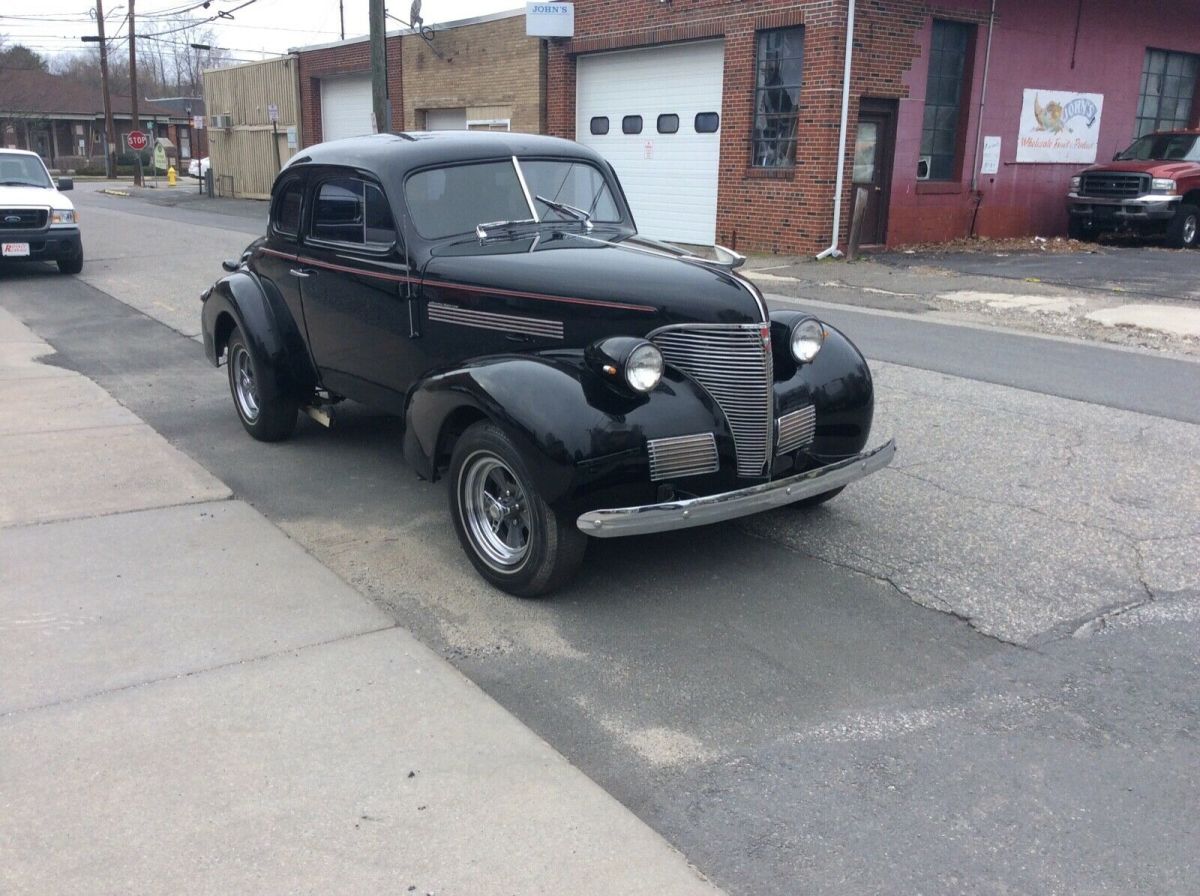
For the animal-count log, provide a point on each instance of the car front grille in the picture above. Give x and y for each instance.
(682, 456)
(1114, 185)
(23, 218)
(733, 364)
(796, 429)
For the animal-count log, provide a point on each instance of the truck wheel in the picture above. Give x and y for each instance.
(1182, 231)
(72, 265)
(266, 420)
(1078, 230)
(514, 538)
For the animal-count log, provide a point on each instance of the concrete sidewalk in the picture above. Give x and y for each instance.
(190, 703)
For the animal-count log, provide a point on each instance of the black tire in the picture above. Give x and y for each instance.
(1184, 229)
(514, 538)
(72, 265)
(268, 421)
(818, 500)
(1078, 230)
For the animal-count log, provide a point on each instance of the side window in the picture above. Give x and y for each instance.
(349, 210)
(631, 124)
(600, 125)
(285, 214)
(668, 124)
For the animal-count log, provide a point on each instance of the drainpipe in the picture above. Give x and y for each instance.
(987, 59)
(841, 163)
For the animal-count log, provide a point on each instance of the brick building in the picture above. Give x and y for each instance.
(723, 117)
(480, 73)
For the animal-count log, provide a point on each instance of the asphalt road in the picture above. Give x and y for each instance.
(973, 673)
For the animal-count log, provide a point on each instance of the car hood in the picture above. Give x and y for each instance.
(42, 197)
(607, 272)
(1153, 168)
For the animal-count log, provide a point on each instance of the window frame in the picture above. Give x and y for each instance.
(1158, 125)
(300, 180)
(962, 116)
(761, 90)
(363, 248)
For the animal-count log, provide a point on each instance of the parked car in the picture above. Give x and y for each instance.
(37, 222)
(198, 167)
(1152, 188)
(569, 378)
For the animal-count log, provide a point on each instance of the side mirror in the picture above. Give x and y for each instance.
(65, 183)
(229, 265)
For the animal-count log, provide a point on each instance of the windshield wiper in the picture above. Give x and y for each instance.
(577, 213)
(483, 231)
(18, 183)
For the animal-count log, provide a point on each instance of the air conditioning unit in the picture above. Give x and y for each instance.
(225, 120)
(924, 164)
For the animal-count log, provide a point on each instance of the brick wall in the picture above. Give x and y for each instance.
(488, 69)
(344, 59)
(771, 210)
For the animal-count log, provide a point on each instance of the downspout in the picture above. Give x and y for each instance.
(987, 60)
(841, 163)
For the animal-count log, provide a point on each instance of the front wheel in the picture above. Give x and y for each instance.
(514, 538)
(72, 264)
(1184, 229)
(268, 420)
(1078, 230)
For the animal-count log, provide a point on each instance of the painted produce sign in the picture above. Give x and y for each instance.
(1059, 126)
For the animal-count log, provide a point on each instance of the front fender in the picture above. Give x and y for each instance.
(578, 434)
(255, 307)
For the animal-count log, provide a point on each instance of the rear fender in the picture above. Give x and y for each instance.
(255, 307)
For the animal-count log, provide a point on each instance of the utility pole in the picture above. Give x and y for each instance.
(110, 136)
(133, 92)
(379, 88)
(342, 17)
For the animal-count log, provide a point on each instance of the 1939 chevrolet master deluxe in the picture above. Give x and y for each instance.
(568, 377)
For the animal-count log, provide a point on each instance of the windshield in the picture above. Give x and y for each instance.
(455, 200)
(1163, 148)
(23, 171)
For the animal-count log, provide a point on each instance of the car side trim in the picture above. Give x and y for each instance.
(650, 518)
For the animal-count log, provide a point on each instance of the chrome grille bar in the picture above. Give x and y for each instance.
(796, 430)
(682, 456)
(1114, 184)
(732, 362)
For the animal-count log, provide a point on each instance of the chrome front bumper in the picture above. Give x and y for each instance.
(730, 505)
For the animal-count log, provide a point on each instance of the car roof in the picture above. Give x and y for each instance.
(392, 155)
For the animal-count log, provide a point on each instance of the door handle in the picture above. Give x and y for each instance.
(302, 273)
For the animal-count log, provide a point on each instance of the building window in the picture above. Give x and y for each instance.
(668, 124)
(631, 124)
(707, 122)
(779, 62)
(949, 52)
(600, 125)
(1168, 90)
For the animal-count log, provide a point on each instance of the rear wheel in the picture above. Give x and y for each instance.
(268, 420)
(514, 538)
(1184, 228)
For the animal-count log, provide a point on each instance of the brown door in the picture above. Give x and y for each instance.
(873, 149)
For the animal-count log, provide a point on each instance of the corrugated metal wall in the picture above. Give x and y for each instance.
(244, 151)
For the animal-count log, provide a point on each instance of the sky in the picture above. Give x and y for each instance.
(260, 27)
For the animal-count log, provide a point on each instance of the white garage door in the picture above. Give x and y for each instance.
(446, 119)
(346, 107)
(641, 96)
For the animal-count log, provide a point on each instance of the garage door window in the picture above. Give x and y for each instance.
(631, 124)
(600, 125)
(352, 211)
(668, 124)
(777, 97)
(707, 122)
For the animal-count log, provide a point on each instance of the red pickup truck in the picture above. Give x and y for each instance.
(1153, 187)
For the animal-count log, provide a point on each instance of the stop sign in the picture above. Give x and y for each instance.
(138, 140)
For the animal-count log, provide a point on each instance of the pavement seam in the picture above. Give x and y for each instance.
(70, 429)
(69, 701)
(216, 499)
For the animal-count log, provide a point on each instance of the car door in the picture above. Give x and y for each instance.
(276, 258)
(354, 279)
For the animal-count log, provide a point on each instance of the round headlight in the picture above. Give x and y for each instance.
(807, 338)
(644, 367)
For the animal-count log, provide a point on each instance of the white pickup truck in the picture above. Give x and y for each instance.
(37, 222)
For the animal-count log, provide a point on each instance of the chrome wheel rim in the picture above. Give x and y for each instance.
(495, 512)
(1189, 230)
(245, 390)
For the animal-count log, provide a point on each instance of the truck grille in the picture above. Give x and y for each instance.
(23, 218)
(733, 364)
(1114, 185)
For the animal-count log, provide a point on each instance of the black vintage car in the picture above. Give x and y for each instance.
(568, 377)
